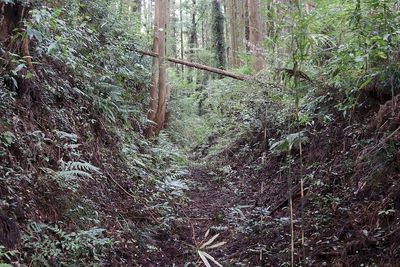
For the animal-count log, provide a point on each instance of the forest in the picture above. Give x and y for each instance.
(199, 133)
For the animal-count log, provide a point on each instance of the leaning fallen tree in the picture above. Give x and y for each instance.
(214, 70)
(198, 66)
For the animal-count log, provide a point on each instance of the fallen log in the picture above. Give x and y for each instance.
(198, 66)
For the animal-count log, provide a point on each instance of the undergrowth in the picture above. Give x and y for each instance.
(310, 143)
(78, 144)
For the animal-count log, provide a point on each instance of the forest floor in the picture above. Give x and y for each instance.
(206, 213)
(351, 173)
(217, 206)
(245, 202)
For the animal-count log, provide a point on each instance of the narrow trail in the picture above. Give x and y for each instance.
(213, 202)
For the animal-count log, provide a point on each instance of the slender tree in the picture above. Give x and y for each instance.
(181, 32)
(218, 34)
(158, 91)
(138, 6)
(246, 24)
(163, 88)
(173, 42)
(193, 40)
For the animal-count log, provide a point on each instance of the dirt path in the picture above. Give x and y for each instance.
(214, 203)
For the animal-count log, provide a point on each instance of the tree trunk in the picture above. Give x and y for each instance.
(163, 88)
(227, 37)
(153, 105)
(138, 6)
(159, 90)
(255, 34)
(181, 31)
(237, 28)
(192, 41)
(148, 16)
(218, 34)
(174, 31)
(246, 24)
(11, 18)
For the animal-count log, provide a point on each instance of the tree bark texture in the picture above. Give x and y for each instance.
(218, 34)
(236, 28)
(158, 90)
(255, 34)
(153, 105)
(162, 87)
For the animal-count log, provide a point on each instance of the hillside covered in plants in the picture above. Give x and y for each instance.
(199, 133)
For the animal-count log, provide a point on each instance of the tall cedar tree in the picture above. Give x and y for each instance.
(193, 41)
(255, 34)
(236, 26)
(218, 34)
(159, 89)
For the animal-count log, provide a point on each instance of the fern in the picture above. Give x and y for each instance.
(73, 170)
(66, 136)
(105, 107)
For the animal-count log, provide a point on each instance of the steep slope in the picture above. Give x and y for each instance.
(350, 210)
(79, 184)
(67, 173)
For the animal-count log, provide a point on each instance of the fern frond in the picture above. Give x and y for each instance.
(73, 174)
(68, 136)
(81, 165)
(72, 170)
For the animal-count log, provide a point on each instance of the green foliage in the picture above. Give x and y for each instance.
(46, 245)
(171, 165)
(6, 256)
(6, 140)
(314, 54)
(174, 186)
(219, 111)
(70, 173)
(289, 142)
(92, 86)
(73, 170)
(186, 127)
(246, 67)
(368, 44)
(160, 166)
(112, 75)
(346, 44)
